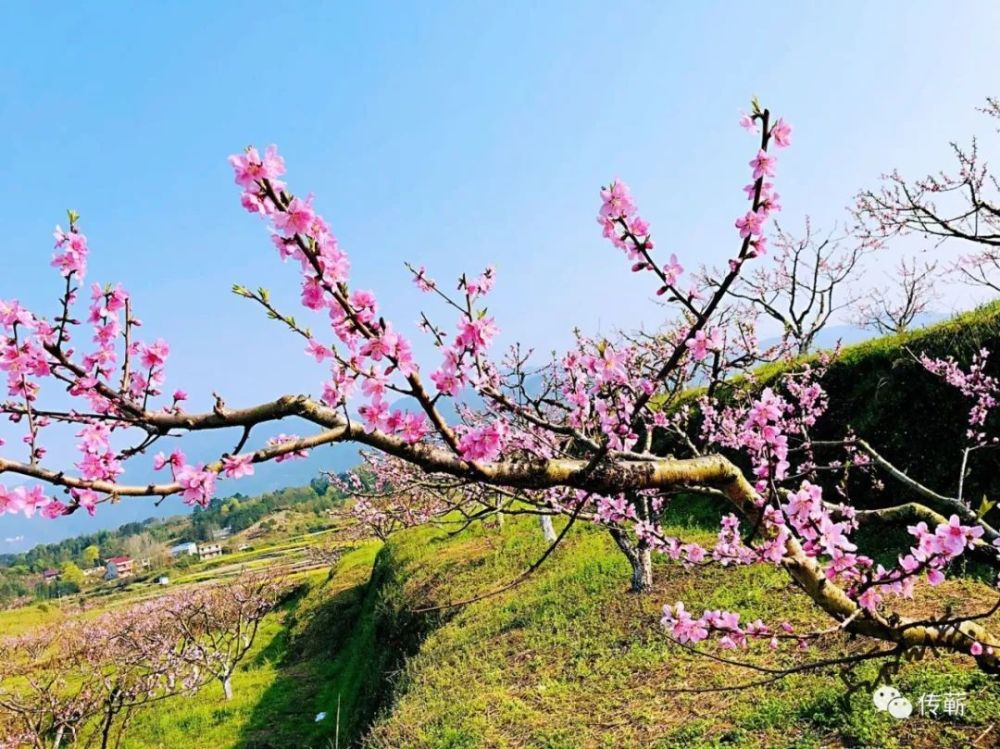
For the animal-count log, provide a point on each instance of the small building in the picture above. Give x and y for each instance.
(120, 566)
(163, 580)
(221, 534)
(94, 571)
(244, 547)
(182, 549)
(50, 575)
(209, 551)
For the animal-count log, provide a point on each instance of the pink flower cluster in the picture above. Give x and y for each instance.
(461, 362)
(28, 501)
(300, 233)
(71, 258)
(686, 629)
(629, 232)
(283, 439)
(237, 466)
(410, 426)
(484, 443)
(982, 388)
(373, 351)
(99, 461)
(105, 306)
(197, 482)
(760, 192)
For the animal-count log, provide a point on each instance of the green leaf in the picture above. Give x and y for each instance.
(985, 506)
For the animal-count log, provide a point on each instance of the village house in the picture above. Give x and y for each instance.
(50, 575)
(185, 548)
(209, 551)
(120, 566)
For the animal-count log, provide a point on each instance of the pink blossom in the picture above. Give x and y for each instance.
(364, 304)
(198, 484)
(374, 414)
(617, 201)
(751, 223)
(748, 123)
(482, 284)
(672, 271)
(317, 350)
(763, 164)
(249, 168)
(12, 313)
(682, 626)
(447, 381)
(53, 509)
(87, 499)
(413, 428)
(782, 133)
(155, 354)
(283, 439)
(73, 258)
(238, 466)
(422, 281)
(484, 443)
(296, 218)
(313, 293)
(476, 334)
(701, 343)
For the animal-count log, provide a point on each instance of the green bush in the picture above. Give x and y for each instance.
(912, 417)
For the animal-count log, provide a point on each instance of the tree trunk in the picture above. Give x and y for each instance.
(227, 686)
(548, 531)
(639, 557)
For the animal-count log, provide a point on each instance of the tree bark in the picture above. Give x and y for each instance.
(639, 558)
(227, 686)
(548, 531)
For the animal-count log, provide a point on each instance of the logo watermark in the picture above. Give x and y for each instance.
(929, 705)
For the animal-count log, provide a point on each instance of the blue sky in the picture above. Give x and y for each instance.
(452, 135)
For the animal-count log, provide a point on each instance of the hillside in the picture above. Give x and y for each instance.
(566, 659)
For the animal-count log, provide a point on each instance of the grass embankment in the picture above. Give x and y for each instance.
(288, 678)
(569, 659)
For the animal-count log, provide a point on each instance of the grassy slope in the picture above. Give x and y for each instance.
(569, 659)
(277, 693)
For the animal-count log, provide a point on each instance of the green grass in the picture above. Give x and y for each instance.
(20, 620)
(277, 692)
(568, 659)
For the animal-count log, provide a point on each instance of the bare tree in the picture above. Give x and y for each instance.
(893, 309)
(961, 205)
(806, 283)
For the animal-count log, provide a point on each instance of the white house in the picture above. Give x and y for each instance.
(188, 547)
(209, 551)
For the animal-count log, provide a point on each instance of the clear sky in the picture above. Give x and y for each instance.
(450, 134)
